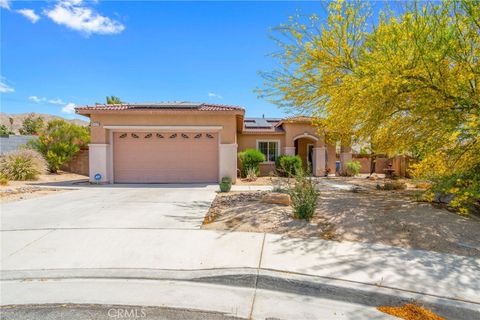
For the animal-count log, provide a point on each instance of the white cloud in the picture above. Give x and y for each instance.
(75, 15)
(56, 101)
(69, 108)
(214, 95)
(29, 14)
(5, 4)
(4, 87)
(37, 99)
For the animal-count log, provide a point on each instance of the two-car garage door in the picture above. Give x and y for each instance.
(165, 157)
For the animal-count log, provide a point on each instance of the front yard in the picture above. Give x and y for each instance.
(46, 184)
(352, 209)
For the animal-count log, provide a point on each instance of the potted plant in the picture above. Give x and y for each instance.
(225, 184)
(327, 172)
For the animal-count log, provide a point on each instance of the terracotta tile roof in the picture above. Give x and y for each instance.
(161, 106)
(275, 130)
(298, 119)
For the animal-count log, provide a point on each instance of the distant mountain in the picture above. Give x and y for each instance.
(18, 119)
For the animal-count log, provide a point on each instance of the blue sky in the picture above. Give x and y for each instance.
(145, 51)
(60, 53)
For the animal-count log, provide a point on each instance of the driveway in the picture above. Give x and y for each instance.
(119, 206)
(141, 245)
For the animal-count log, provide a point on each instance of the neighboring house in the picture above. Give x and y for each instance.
(184, 142)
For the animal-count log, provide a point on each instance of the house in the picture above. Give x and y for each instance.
(184, 142)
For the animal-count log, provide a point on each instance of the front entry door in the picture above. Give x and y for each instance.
(310, 157)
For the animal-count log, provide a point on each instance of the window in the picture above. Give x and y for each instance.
(270, 149)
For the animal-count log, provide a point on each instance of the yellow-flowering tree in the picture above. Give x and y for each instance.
(408, 85)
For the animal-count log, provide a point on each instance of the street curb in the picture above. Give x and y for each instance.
(272, 280)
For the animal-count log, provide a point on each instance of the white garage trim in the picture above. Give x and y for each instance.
(98, 161)
(166, 128)
(228, 161)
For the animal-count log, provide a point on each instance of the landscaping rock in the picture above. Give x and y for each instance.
(277, 198)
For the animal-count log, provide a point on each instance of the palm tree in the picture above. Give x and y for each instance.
(114, 100)
(10, 119)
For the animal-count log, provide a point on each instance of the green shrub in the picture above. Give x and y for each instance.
(4, 131)
(279, 189)
(462, 188)
(3, 180)
(304, 197)
(59, 142)
(225, 184)
(251, 158)
(22, 165)
(32, 125)
(288, 165)
(353, 168)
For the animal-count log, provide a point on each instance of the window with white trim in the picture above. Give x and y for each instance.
(270, 149)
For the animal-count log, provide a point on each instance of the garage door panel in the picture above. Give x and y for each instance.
(165, 160)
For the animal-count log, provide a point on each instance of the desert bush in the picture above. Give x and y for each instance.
(423, 185)
(462, 188)
(4, 131)
(32, 125)
(279, 190)
(353, 168)
(22, 165)
(251, 158)
(288, 165)
(59, 142)
(304, 197)
(3, 180)
(251, 174)
(392, 185)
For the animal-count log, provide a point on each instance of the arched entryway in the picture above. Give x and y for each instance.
(311, 150)
(304, 148)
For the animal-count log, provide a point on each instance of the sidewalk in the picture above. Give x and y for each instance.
(249, 260)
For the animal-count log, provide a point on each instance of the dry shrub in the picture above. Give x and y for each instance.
(3, 181)
(22, 165)
(423, 185)
(250, 175)
(393, 185)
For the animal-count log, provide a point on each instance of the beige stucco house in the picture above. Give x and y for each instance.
(183, 142)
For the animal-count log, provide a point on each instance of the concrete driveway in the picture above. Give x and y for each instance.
(119, 206)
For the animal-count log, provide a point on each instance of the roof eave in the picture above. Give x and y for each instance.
(88, 112)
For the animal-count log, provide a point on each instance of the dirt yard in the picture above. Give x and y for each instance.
(260, 181)
(46, 184)
(363, 215)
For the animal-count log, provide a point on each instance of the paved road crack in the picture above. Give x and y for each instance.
(30, 243)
